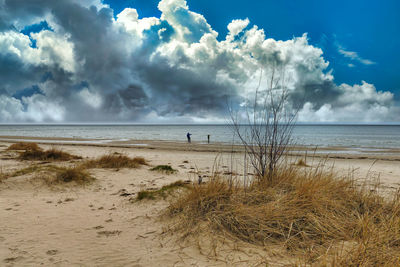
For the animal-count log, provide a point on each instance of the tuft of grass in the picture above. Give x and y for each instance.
(163, 191)
(24, 146)
(29, 170)
(3, 176)
(53, 174)
(140, 160)
(164, 168)
(302, 163)
(310, 213)
(53, 154)
(115, 161)
(24, 171)
(146, 194)
(73, 174)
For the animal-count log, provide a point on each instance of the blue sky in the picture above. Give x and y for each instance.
(369, 28)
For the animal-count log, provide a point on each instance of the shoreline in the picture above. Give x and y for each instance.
(333, 152)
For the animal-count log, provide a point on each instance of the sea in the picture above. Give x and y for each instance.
(365, 137)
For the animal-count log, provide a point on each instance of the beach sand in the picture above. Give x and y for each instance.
(102, 224)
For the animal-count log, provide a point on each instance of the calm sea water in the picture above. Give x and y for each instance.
(356, 136)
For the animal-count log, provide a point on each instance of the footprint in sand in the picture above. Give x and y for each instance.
(12, 259)
(122, 192)
(52, 252)
(109, 233)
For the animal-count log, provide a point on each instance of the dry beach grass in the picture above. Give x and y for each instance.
(23, 146)
(114, 161)
(312, 214)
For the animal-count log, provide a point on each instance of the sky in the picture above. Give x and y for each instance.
(177, 61)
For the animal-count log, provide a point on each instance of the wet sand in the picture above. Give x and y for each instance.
(297, 150)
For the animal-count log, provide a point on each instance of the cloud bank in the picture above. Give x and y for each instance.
(91, 65)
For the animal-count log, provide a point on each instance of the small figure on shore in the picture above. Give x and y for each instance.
(208, 138)
(188, 137)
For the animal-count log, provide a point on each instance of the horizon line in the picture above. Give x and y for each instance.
(199, 124)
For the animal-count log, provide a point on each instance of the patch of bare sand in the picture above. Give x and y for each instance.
(99, 225)
(96, 224)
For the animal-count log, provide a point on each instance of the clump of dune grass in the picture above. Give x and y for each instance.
(64, 175)
(162, 192)
(73, 174)
(52, 174)
(24, 146)
(310, 212)
(111, 161)
(302, 163)
(3, 176)
(140, 160)
(33, 152)
(29, 170)
(52, 154)
(24, 171)
(164, 168)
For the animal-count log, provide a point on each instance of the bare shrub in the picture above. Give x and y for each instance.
(266, 129)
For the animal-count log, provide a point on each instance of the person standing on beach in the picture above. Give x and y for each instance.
(208, 138)
(188, 137)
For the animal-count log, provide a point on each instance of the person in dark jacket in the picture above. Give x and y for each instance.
(188, 137)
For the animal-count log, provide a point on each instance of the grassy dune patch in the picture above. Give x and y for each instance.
(73, 174)
(312, 213)
(162, 192)
(52, 154)
(29, 170)
(31, 151)
(53, 174)
(302, 163)
(115, 161)
(164, 169)
(24, 146)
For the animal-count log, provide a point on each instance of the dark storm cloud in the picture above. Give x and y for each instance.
(15, 75)
(316, 93)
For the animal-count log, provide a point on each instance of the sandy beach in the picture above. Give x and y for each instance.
(102, 224)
